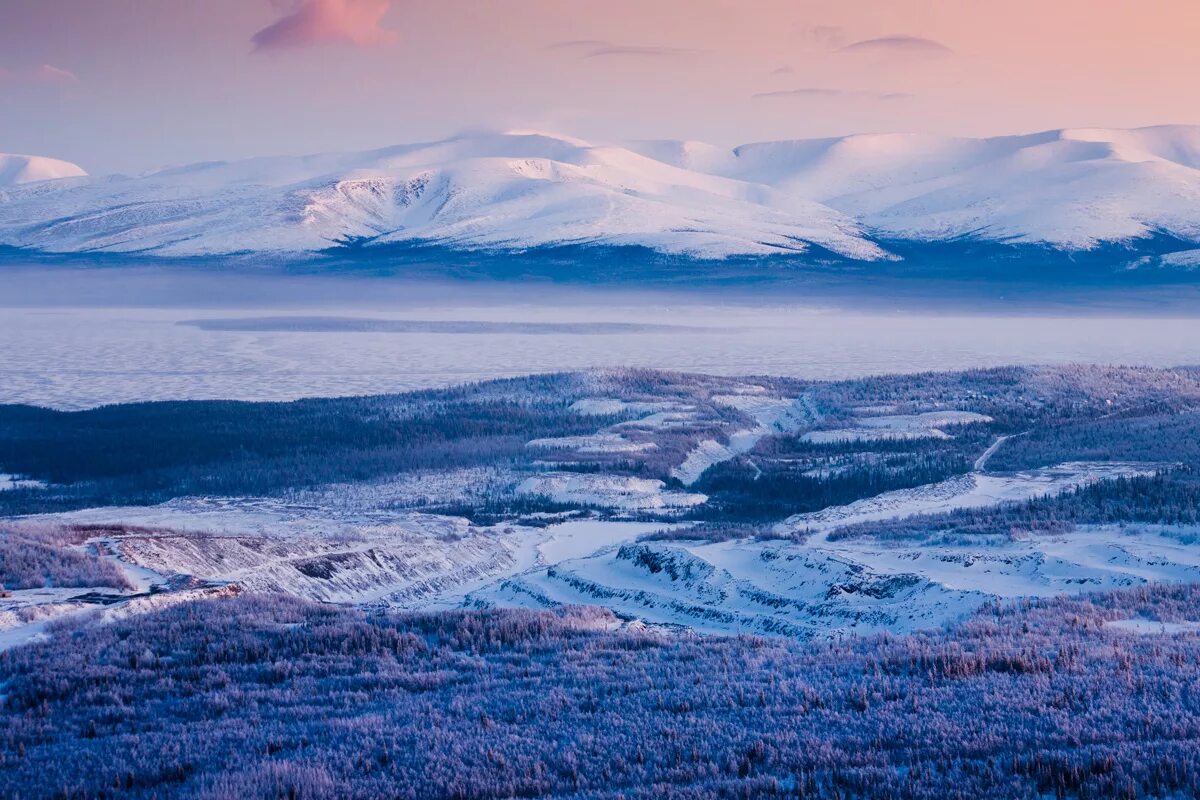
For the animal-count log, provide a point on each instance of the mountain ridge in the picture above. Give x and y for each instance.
(1071, 189)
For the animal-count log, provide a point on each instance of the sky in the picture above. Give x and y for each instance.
(131, 85)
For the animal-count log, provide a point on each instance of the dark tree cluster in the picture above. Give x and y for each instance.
(785, 475)
(1172, 498)
(148, 453)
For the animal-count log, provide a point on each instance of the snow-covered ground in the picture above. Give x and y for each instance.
(837, 588)
(973, 490)
(81, 357)
(770, 415)
(475, 191)
(818, 587)
(894, 427)
(615, 492)
(608, 406)
(330, 554)
(26, 613)
(359, 551)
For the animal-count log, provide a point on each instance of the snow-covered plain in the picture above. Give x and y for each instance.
(1070, 188)
(73, 357)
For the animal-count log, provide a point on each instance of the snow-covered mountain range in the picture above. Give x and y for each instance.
(1069, 189)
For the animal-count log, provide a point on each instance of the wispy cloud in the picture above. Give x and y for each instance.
(43, 74)
(827, 36)
(784, 70)
(808, 93)
(579, 44)
(314, 22)
(601, 48)
(899, 45)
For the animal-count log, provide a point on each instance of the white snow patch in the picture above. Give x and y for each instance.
(10, 482)
(974, 490)
(1188, 259)
(896, 427)
(772, 415)
(608, 491)
(609, 406)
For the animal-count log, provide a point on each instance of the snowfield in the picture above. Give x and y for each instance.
(609, 491)
(973, 490)
(1073, 189)
(807, 586)
(770, 415)
(835, 589)
(818, 587)
(897, 427)
(398, 559)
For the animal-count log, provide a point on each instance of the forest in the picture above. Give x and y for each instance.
(197, 687)
(141, 454)
(253, 696)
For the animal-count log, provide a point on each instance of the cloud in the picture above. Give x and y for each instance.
(47, 74)
(652, 52)
(579, 44)
(313, 22)
(899, 45)
(828, 36)
(601, 48)
(809, 93)
(784, 70)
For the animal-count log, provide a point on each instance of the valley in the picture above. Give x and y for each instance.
(681, 503)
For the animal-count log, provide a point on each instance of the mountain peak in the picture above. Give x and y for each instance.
(20, 169)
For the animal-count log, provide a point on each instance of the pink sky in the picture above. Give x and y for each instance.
(172, 81)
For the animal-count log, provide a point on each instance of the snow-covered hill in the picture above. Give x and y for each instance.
(1072, 189)
(16, 170)
(479, 191)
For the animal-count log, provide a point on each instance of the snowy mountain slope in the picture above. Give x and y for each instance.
(1071, 189)
(511, 191)
(16, 170)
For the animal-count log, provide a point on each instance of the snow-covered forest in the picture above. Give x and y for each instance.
(620, 583)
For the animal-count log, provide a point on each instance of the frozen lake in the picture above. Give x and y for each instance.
(90, 350)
